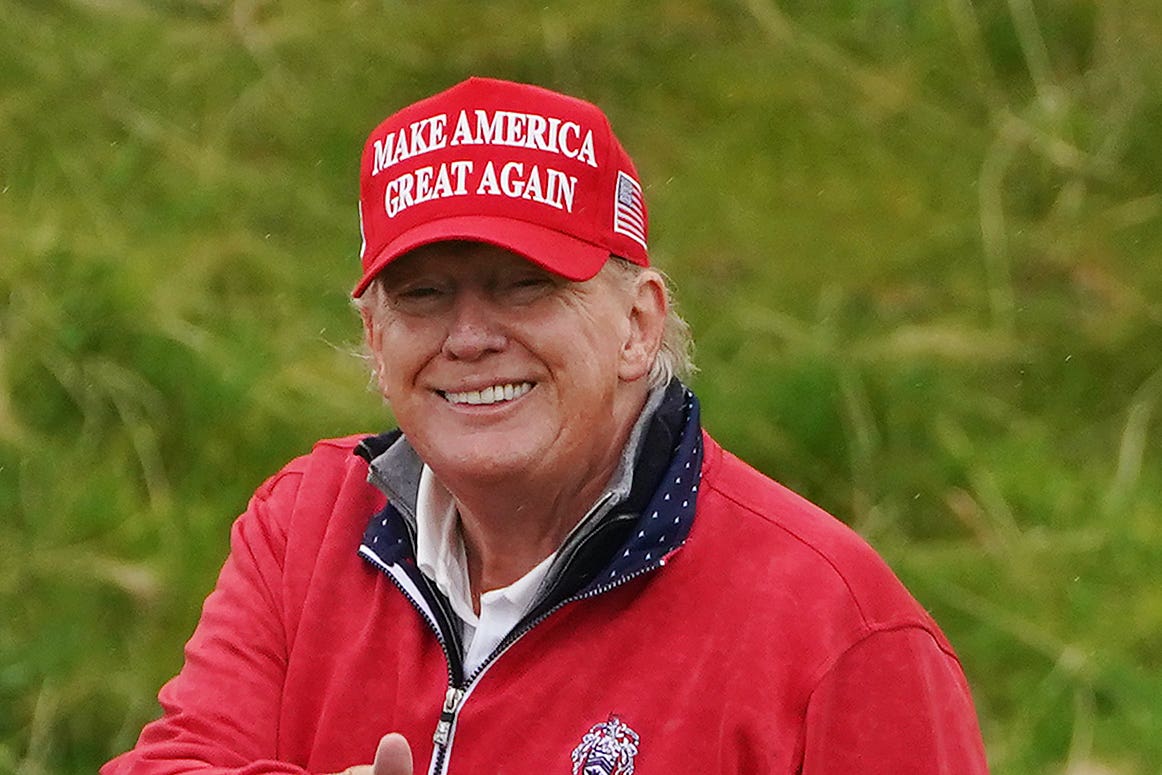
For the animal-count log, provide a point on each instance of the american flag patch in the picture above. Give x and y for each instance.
(629, 212)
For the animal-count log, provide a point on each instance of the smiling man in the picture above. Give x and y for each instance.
(549, 567)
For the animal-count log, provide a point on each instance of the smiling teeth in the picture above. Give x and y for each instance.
(490, 395)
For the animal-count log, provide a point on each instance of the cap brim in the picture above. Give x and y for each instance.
(571, 258)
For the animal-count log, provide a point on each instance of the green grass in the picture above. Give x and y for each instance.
(919, 243)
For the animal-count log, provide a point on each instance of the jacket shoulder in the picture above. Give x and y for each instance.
(326, 455)
(805, 551)
(322, 493)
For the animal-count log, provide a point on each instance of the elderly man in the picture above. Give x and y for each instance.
(549, 567)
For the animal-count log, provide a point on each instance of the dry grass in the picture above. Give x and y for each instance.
(920, 245)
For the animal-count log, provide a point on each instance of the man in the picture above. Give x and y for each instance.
(550, 567)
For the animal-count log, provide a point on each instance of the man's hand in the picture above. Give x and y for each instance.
(392, 757)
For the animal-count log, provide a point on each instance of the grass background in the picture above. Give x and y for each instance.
(919, 243)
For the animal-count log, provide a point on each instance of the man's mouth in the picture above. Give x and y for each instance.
(493, 394)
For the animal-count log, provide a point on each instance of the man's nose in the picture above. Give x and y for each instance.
(474, 329)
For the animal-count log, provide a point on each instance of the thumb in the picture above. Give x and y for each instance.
(393, 756)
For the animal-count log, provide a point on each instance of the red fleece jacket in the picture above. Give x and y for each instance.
(773, 641)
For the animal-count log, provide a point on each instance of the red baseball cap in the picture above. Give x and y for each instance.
(517, 166)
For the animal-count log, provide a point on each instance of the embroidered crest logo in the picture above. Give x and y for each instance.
(608, 748)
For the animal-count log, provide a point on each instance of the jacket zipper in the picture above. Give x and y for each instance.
(456, 695)
(448, 714)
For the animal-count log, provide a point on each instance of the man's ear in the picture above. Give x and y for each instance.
(647, 321)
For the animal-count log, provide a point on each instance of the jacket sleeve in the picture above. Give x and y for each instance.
(220, 713)
(894, 703)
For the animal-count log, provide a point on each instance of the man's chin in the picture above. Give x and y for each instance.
(482, 457)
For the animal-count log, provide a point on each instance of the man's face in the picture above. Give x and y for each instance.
(494, 367)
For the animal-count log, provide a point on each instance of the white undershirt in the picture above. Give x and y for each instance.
(441, 557)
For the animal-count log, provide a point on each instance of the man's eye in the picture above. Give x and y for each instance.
(418, 297)
(419, 292)
(528, 287)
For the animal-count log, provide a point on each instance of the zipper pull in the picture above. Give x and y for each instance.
(448, 715)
